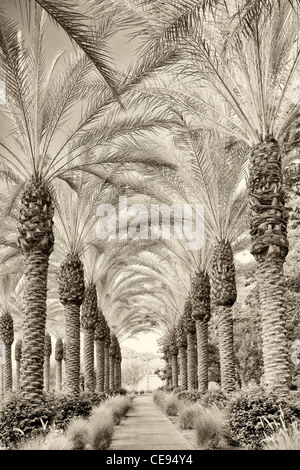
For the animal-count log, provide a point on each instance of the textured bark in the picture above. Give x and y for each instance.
(106, 368)
(36, 241)
(116, 374)
(48, 351)
(88, 357)
(111, 373)
(100, 365)
(89, 319)
(47, 373)
(226, 349)
(201, 314)
(273, 312)
(18, 356)
(72, 329)
(268, 230)
(71, 294)
(223, 296)
(58, 375)
(18, 370)
(33, 332)
(174, 363)
(191, 362)
(7, 370)
(183, 368)
(59, 355)
(202, 354)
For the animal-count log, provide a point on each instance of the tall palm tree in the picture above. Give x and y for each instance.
(89, 316)
(59, 353)
(18, 357)
(190, 330)
(241, 63)
(107, 358)
(100, 336)
(48, 352)
(182, 353)
(7, 337)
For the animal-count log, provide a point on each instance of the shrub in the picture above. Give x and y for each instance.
(211, 429)
(20, 418)
(213, 397)
(119, 407)
(247, 414)
(159, 397)
(188, 414)
(101, 428)
(77, 433)
(142, 392)
(172, 405)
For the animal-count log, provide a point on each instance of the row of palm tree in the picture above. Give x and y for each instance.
(225, 97)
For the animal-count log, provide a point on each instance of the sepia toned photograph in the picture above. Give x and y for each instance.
(149, 228)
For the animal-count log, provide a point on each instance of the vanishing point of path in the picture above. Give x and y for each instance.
(148, 428)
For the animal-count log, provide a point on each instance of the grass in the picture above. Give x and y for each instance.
(93, 433)
(284, 437)
(172, 405)
(119, 406)
(211, 430)
(101, 428)
(188, 415)
(77, 433)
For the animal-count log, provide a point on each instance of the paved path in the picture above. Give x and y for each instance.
(147, 427)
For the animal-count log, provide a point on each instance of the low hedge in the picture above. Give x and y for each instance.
(20, 418)
(247, 413)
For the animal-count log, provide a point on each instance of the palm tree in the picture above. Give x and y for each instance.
(190, 329)
(242, 61)
(107, 359)
(59, 352)
(100, 336)
(182, 353)
(7, 337)
(18, 357)
(48, 352)
(89, 316)
(174, 356)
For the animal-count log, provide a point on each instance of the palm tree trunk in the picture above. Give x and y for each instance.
(274, 342)
(268, 230)
(58, 375)
(202, 355)
(47, 373)
(111, 373)
(1, 382)
(226, 348)
(34, 310)
(106, 369)
(88, 355)
(72, 328)
(183, 368)
(191, 362)
(120, 373)
(116, 375)
(100, 365)
(7, 370)
(174, 370)
(18, 369)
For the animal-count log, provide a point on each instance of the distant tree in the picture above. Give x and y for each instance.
(132, 374)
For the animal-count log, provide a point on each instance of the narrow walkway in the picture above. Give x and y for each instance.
(148, 428)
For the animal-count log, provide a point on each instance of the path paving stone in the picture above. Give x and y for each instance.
(147, 428)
